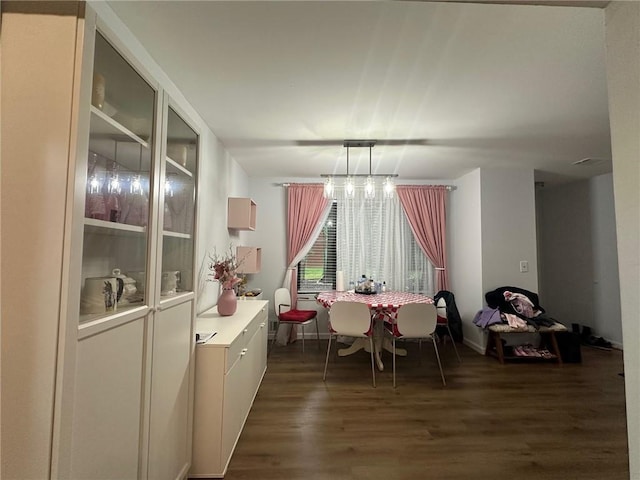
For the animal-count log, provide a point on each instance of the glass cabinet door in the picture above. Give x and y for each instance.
(179, 207)
(119, 170)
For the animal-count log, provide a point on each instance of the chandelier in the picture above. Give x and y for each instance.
(369, 185)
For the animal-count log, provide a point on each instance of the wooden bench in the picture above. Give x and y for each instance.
(548, 334)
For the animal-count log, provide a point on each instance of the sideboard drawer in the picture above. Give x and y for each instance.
(239, 346)
(229, 370)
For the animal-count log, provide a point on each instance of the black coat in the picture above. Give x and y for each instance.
(455, 322)
(495, 299)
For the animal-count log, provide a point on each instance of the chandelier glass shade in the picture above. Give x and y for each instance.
(109, 176)
(369, 184)
(388, 188)
(369, 188)
(328, 188)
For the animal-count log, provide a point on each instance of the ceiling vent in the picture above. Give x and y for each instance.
(589, 162)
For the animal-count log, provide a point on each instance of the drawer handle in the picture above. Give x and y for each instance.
(262, 325)
(243, 352)
(245, 330)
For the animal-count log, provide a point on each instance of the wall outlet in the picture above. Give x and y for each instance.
(524, 266)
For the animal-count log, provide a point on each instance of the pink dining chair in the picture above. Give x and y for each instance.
(282, 305)
(415, 320)
(352, 319)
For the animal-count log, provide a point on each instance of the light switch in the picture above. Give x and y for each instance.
(524, 266)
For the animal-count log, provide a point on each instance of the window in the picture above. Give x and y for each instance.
(317, 271)
(370, 237)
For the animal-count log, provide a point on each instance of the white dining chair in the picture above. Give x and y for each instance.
(415, 320)
(351, 319)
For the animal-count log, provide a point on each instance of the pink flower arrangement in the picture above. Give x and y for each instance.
(224, 269)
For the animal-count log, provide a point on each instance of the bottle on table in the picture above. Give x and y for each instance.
(362, 283)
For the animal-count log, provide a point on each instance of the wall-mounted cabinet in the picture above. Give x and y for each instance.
(241, 214)
(250, 259)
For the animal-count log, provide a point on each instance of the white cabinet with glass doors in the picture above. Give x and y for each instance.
(172, 346)
(119, 186)
(129, 368)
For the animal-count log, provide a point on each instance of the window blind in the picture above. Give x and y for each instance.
(317, 271)
(370, 237)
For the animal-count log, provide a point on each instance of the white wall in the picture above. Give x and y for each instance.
(219, 177)
(565, 242)
(622, 21)
(607, 317)
(270, 234)
(464, 224)
(508, 228)
(492, 227)
(578, 255)
(508, 231)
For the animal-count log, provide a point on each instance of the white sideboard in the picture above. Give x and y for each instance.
(229, 370)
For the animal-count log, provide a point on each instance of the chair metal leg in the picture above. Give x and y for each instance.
(317, 333)
(435, 346)
(302, 326)
(373, 368)
(326, 362)
(453, 342)
(273, 341)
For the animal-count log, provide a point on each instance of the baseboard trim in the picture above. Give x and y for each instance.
(474, 346)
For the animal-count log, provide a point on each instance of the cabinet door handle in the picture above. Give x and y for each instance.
(262, 325)
(243, 352)
(245, 330)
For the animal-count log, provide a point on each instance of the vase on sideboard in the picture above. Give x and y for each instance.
(227, 302)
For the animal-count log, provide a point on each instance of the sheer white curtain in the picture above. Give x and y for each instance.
(374, 238)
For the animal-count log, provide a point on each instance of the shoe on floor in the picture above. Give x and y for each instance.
(598, 342)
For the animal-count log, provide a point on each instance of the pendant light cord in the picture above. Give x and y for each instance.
(347, 160)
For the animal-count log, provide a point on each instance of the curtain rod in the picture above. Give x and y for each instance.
(448, 187)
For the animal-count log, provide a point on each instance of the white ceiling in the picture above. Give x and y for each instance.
(443, 87)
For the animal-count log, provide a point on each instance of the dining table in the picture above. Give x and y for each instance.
(384, 306)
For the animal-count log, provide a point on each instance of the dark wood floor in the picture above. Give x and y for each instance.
(516, 421)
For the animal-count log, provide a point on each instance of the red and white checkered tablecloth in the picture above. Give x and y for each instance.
(386, 303)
